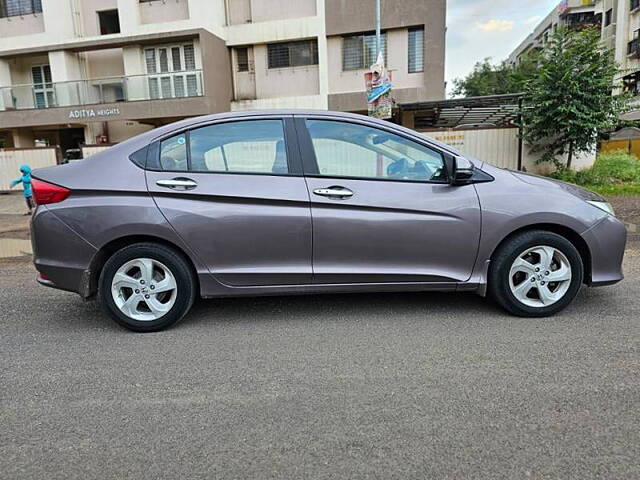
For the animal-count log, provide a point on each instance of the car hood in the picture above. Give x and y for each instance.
(546, 182)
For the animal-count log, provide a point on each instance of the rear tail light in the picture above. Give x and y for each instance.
(45, 193)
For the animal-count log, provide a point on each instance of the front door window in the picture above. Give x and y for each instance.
(357, 151)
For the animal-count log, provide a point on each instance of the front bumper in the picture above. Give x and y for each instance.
(607, 241)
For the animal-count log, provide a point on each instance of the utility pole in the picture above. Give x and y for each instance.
(378, 39)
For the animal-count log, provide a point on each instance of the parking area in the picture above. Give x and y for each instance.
(337, 386)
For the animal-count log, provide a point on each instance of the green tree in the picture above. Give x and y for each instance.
(569, 100)
(489, 79)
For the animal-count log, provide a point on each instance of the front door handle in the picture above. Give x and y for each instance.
(334, 192)
(178, 184)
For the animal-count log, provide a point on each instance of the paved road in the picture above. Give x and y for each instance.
(363, 386)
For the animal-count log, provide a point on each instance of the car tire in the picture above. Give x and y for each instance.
(147, 287)
(522, 270)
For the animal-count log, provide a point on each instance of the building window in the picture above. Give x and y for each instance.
(14, 8)
(416, 50)
(172, 72)
(359, 51)
(242, 59)
(607, 17)
(109, 22)
(43, 92)
(293, 54)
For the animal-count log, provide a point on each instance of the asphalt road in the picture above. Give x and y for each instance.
(361, 386)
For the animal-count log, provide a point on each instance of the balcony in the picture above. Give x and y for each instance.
(580, 21)
(633, 48)
(157, 86)
(631, 84)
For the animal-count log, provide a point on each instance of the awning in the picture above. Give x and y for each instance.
(494, 111)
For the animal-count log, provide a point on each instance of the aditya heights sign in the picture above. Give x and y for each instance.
(83, 113)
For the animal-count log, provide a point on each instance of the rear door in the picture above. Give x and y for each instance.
(382, 208)
(234, 191)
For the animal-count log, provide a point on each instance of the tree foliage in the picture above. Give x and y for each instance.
(569, 100)
(489, 79)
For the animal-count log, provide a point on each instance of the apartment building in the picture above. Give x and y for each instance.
(574, 14)
(621, 31)
(78, 72)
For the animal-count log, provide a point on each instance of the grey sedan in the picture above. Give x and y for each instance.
(294, 202)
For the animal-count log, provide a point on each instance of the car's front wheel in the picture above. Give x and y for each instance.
(536, 274)
(146, 287)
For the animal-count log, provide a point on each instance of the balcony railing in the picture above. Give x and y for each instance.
(633, 47)
(96, 91)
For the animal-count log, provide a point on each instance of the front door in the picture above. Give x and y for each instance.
(382, 209)
(234, 191)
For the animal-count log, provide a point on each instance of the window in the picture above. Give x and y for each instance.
(416, 50)
(109, 22)
(349, 150)
(607, 17)
(242, 59)
(360, 51)
(293, 54)
(253, 146)
(14, 8)
(43, 92)
(172, 72)
(173, 153)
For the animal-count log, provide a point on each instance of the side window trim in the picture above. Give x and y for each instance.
(310, 162)
(294, 162)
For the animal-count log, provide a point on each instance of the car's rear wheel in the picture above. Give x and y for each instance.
(536, 274)
(146, 287)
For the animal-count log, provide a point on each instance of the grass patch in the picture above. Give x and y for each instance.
(615, 190)
(613, 173)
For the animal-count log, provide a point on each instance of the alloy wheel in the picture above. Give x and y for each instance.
(540, 276)
(144, 289)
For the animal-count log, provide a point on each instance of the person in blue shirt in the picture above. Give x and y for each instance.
(25, 180)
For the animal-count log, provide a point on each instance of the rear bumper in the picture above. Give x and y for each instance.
(60, 254)
(607, 241)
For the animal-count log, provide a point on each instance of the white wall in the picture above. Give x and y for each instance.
(499, 147)
(10, 161)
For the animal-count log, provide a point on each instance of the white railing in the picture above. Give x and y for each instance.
(102, 90)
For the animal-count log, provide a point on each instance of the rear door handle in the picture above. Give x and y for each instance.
(334, 192)
(178, 184)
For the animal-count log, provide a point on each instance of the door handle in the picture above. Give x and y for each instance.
(178, 184)
(334, 192)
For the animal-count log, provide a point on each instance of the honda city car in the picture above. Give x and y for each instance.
(297, 202)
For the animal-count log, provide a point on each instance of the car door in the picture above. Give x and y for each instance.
(234, 191)
(382, 208)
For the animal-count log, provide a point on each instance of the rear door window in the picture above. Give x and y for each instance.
(251, 146)
(173, 154)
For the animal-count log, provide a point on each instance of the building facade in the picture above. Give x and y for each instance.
(620, 31)
(78, 72)
(619, 24)
(574, 14)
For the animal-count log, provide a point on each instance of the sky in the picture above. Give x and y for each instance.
(477, 29)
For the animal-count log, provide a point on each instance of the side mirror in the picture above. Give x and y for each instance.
(462, 171)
